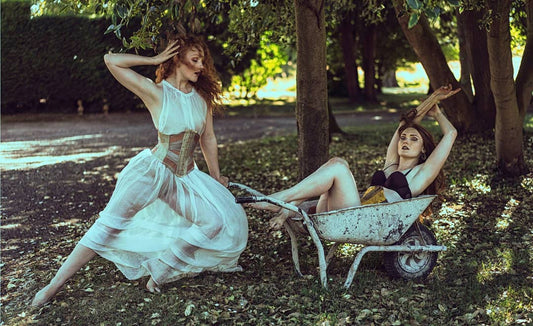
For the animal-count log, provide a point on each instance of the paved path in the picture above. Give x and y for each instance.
(36, 127)
(34, 140)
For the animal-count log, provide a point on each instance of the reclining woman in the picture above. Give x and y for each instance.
(413, 166)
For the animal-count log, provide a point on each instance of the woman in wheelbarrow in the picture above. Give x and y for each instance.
(413, 166)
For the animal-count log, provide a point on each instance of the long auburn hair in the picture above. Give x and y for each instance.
(429, 145)
(208, 83)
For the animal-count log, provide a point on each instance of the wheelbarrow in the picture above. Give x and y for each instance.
(410, 248)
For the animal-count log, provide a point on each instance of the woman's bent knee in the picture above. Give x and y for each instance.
(337, 161)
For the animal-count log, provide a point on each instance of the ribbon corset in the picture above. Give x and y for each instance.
(176, 151)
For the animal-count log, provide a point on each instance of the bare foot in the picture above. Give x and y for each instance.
(44, 296)
(152, 286)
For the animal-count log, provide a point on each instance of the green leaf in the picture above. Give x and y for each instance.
(121, 11)
(413, 20)
(109, 29)
(454, 2)
(432, 13)
(414, 4)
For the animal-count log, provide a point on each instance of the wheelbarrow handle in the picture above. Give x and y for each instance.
(246, 199)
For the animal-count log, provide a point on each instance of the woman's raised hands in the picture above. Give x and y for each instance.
(170, 51)
(445, 92)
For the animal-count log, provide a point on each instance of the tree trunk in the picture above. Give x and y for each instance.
(524, 78)
(429, 52)
(464, 59)
(389, 79)
(334, 127)
(348, 54)
(508, 131)
(478, 59)
(369, 59)
(311, 86)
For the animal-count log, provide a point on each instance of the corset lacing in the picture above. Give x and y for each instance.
(176, 151)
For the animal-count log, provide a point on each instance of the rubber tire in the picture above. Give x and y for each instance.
(412, 266)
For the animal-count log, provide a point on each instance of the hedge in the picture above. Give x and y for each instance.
(49, 63)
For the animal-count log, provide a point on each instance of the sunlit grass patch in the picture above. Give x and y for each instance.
(499, 261)
(509, 307)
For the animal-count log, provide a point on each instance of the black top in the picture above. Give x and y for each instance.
(396, 181)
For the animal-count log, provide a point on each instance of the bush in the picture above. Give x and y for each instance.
(49, 63)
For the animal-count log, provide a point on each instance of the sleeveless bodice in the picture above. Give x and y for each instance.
(396, 181)
(180, 111)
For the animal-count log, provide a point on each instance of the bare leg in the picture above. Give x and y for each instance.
(76, 260)
(152, 286)
(333, 181)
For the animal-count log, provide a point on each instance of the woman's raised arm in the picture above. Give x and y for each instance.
(416, 115)
(119, 64)
(435, 161)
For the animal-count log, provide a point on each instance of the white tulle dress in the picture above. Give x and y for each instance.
(166, 218)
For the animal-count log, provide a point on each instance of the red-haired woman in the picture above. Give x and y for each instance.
(167, 219)
(413, 166)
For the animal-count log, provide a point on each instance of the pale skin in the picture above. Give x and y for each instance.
(152, 96)
(335, 184)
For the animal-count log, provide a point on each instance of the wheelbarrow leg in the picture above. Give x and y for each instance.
(321, 256)
(294, 247)
(355, 265)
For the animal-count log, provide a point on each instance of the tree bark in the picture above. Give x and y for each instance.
(508, 131)
(348, 53)
(369, 66)
(478, 59)
(311, 86)
(430, 54)
(464, 59)
(524, 78)
(334, 127)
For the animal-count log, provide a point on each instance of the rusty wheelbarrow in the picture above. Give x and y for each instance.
(410, 248)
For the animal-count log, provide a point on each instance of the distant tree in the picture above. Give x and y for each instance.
(511, 97)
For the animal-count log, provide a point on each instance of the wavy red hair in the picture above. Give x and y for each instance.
(208, 83)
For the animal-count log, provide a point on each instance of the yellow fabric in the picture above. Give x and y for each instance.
(373, 195)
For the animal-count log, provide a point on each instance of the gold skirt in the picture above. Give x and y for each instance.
(373, 195)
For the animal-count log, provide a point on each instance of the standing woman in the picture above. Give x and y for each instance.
(167, 219)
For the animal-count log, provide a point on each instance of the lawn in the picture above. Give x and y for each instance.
(484, 278)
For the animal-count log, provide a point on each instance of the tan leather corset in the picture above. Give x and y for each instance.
(176, 151)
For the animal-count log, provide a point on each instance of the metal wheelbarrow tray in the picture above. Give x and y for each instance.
(410, 247)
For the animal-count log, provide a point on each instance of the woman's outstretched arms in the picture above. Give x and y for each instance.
(119, 64)
(417, 115)
(434, 163)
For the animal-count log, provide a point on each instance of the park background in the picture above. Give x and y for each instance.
(59, 169)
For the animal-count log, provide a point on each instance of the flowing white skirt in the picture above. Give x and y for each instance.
(166, 226)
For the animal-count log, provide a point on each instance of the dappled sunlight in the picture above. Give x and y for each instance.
(505, 219)
(527, 182)
(21, 155)
(501, 261)
(479, 184)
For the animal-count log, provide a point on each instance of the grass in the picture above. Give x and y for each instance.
(484, 278)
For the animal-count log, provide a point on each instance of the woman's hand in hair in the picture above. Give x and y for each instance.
(170, 51)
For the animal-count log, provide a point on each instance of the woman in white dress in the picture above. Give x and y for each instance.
(167, 219)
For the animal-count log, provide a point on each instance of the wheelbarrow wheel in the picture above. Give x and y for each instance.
(412, 265)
